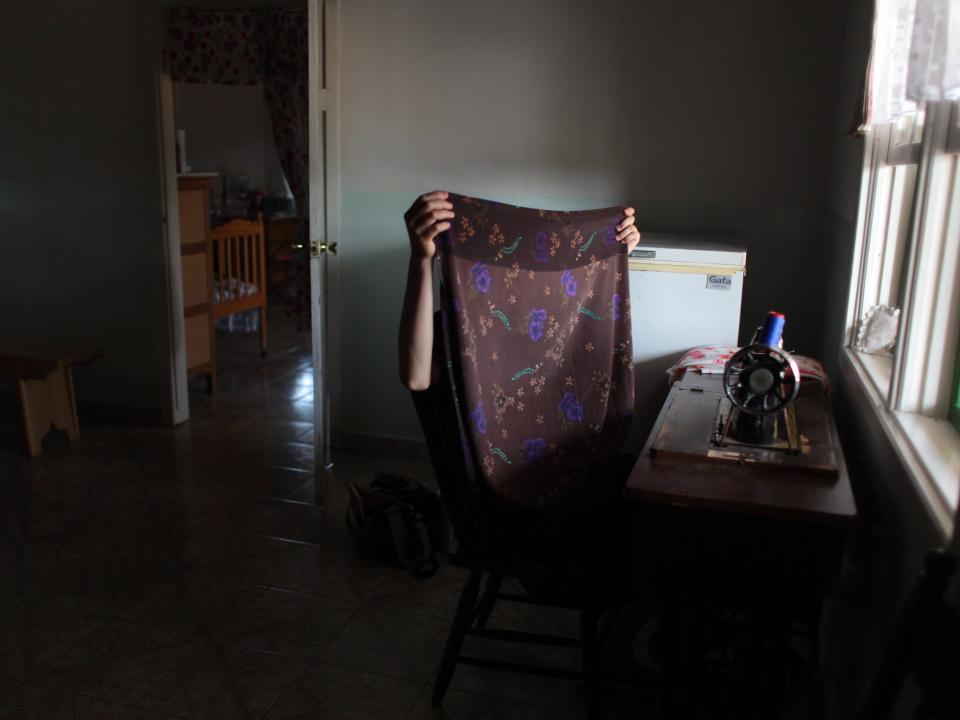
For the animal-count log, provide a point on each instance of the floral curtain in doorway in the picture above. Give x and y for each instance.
(257, 47)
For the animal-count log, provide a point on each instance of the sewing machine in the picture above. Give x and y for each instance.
(757, 416)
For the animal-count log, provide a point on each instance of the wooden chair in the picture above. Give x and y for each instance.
(474, 513)
(44, 374)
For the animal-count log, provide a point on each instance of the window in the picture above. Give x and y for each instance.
(889, 181)
(907, 257)
(954, 413)
(903, 315)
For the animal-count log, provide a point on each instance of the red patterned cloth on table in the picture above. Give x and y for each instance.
(711, 359)
(536, 328)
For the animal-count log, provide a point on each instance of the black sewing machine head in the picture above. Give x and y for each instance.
(760, 383)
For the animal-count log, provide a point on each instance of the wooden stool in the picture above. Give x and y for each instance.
(44, 377)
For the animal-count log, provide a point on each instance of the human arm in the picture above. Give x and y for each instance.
(429, 216)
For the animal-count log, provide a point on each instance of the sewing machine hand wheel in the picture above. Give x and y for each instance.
(761, 380)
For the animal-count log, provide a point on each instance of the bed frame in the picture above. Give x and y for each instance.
(240, 271)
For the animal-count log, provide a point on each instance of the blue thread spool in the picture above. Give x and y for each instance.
(772, 329)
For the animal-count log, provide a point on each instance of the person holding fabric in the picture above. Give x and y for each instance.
(430, 215)
(596, 537)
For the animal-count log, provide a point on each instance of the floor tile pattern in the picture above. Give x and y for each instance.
(154, 573)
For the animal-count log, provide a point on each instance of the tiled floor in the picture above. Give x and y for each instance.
(154, 573)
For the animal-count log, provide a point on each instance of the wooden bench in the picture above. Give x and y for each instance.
(44, 375)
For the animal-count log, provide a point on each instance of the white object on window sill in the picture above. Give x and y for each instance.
(878, 330)
(929, 448)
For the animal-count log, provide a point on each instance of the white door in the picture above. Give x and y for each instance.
(323, 217)
(177, 402)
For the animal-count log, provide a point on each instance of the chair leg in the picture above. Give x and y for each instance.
(458, 631)
(591, 651)
(488, 599)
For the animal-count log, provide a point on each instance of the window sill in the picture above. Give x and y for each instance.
(929, 448)
(878, 368)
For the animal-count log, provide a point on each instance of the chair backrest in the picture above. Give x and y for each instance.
(436, 411)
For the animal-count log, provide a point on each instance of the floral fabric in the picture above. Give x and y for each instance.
(216, 46)
(535, 318)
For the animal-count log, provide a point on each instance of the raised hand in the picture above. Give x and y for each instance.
(429, 216)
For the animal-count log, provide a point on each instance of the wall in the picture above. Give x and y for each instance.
(713, 118)
(79, 193)
(228, 131)
(708, 117)
(843, 196)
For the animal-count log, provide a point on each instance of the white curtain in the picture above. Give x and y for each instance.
(915, 57)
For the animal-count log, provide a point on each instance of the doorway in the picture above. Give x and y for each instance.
(219, 75)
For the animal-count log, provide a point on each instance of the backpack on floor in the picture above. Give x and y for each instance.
(401, 518)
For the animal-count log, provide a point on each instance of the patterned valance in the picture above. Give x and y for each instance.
(237, 47)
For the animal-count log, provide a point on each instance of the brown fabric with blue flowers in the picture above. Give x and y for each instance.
(536, 323)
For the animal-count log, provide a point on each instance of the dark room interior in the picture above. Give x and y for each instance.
(488, 359)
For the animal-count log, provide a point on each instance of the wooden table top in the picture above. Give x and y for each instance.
(37, 359)
(743, 489)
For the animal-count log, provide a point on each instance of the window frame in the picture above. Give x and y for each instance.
(914, 389)
(953, 414)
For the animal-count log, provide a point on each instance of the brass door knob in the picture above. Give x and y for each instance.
(317, 248)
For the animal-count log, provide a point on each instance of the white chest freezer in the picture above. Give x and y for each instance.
(684, 291)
